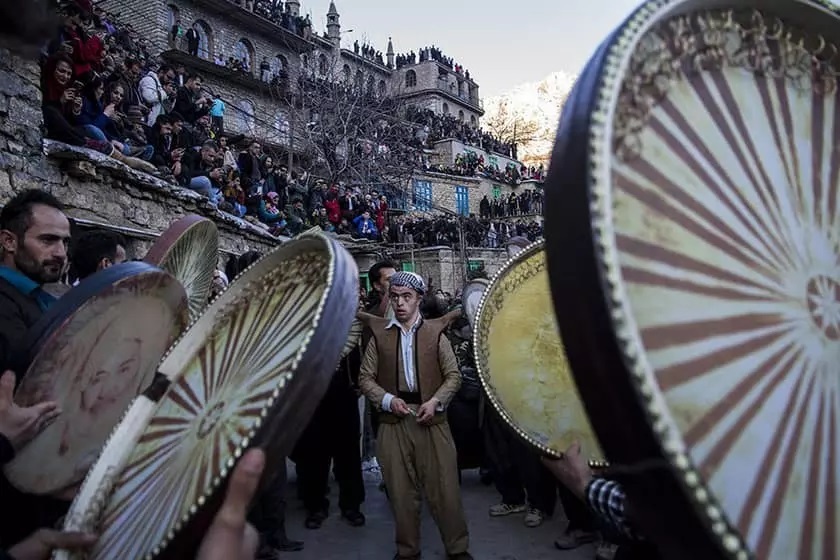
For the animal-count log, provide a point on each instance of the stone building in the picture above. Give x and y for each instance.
(228, 29)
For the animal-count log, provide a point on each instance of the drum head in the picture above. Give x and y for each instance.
(249, 372)
(471, 298)
(693, 193)
(521, 361)
(95, 360)
(189, 251)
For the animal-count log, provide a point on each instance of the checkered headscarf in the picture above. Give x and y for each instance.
(408, 280)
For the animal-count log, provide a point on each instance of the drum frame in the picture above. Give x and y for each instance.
(657, 483)
(275, 433)
(529, 251)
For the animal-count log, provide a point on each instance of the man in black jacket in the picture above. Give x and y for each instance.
(34, 234)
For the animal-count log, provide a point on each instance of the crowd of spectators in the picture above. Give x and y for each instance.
(102, 91)
(529, 202)
(434, 231)
(435, 127)
(368, 52)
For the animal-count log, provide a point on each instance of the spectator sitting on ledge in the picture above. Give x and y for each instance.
(365, 227)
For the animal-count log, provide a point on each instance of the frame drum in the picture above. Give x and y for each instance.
(693, 238)
(98, 348)
(249, 372)
(189, 250)
(521, 361)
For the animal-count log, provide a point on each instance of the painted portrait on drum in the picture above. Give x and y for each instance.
(93, 366)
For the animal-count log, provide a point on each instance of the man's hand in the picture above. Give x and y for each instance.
(40, 544)
(18, 424)
(230, 537)
(572, 470)
(399, 407)
(426, 412)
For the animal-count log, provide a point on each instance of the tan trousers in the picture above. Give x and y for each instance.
(415, 457)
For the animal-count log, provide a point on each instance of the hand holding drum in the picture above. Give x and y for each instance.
(21, 424)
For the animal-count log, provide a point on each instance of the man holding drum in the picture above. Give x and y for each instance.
(410, 372)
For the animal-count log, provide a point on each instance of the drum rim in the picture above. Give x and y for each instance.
(602, 267)
(67, 305)
(510, 264)
(181, 319)
(170, 238)
(336, 261)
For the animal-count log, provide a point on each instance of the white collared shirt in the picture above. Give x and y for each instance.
(407, 350)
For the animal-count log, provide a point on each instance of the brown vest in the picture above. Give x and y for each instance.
(390, 374)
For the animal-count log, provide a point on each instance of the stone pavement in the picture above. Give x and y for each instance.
(491, 539)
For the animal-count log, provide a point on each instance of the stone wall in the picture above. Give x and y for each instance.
(444, 268)
(94, 187)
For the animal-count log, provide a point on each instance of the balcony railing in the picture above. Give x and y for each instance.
(254, 22)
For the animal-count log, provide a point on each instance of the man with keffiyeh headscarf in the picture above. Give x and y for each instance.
(410, 372)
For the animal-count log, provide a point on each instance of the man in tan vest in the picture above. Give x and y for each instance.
(409, 371)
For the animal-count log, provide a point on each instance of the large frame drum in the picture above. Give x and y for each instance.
(249, 372)
(693, 232)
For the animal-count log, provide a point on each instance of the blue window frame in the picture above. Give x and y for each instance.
(422, 195)
(462, 200)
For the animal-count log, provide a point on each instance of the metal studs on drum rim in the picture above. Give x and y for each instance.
(693, 239)
(189, 250)
(249, 372)
(521, 362)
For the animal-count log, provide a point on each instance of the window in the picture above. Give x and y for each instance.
(360, 80)
(461, 116)
(473, 121)
(244, 53)
(279, 65)
(173, 16)
(371, 81)
(497, 191)
(410, 78)
(422, 195)
(445, 108)
(205, 40)
(364, 281)
(322, 65)
(347, 73)
(382, 88)
(408, 267)
(282, 129)
(243, 117)
(462, 200)
(475, 266)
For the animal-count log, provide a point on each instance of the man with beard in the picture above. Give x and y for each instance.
(34, 234)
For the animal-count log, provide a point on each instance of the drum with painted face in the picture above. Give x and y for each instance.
(97, 348)
(249, 372)
(693, 237)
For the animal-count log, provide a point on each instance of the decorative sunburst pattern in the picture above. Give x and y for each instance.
(722, 236)
(213, 409)
(189, 251)
(94, 364)
(522, 362)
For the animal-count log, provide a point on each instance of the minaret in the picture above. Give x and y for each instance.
(293, 7)
(390, 53)
(333, 26)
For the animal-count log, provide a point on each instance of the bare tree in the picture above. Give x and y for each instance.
(510, 126)
(348, 128)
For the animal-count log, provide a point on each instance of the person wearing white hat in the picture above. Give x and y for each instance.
(410, 372)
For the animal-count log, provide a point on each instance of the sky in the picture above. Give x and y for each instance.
(503, 43)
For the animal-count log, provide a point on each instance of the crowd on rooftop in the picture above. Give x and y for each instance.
(102, 90)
